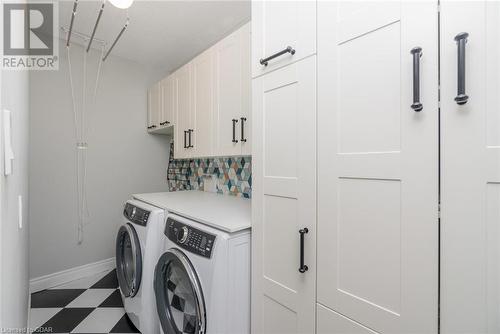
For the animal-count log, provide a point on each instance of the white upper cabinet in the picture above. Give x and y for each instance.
(154, 107)
(232, 91)
(168, 102)
(202, 134)
(208, 101)
(277, 25)
(184, 128)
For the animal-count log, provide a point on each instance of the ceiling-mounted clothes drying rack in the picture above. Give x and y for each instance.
(80, 109)
(92, 38)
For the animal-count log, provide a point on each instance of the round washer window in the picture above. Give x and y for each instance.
(128, 260)
(179, 297)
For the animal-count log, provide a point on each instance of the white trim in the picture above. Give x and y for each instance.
(68, 275)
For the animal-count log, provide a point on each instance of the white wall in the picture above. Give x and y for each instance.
(14, 240)
(122, 159)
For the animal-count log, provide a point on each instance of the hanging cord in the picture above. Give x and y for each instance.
(81, 132)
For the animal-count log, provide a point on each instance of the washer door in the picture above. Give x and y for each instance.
(179, 297)
(128, 260)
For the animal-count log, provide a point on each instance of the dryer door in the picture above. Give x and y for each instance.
(179, 297)
(128, 260)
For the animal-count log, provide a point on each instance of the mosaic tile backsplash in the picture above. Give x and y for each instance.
(226, 175)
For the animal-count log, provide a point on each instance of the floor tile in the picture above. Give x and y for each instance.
(91, 298)
(84, 282)
(65, 320)
(107, 282)
(54, 298)
(39, 316)
(101, 320)
(114, 300)
(124, 326)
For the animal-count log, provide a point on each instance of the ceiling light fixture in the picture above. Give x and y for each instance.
(122, 4)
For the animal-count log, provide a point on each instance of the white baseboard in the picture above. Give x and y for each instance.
(68, 275)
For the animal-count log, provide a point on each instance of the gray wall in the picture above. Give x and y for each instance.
(14, 240)
(122, 159)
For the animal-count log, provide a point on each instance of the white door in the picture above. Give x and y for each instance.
(470, 184)
(284, 113)
(377, 168)
(232, 81)
(203, 104)
(277, 25)
(168, 102)
(182, 78)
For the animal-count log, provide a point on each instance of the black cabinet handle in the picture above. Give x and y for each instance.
(190, 131)
(303, 268)
(461, 40)
(165, 123)
(288, 49)
(234, 130)
(243, 120)
(153, 126)
(185, 140)
(417, 54)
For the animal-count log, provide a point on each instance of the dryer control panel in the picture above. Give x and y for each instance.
(190, 238)
(136, 215)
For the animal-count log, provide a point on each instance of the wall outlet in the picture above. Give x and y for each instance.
(210, 183)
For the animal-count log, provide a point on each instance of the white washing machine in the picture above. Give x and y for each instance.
(202, 280)
(139, 244)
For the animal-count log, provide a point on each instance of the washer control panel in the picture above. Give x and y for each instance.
(136, 215)
(190, 238)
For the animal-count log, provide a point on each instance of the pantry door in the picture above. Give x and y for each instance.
(470, 184)
(377, 167)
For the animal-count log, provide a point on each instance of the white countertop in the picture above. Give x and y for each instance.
(224, 212)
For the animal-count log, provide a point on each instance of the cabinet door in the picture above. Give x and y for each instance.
(283, 203)
(246, 90)
(154, 106)
(279, 24)
(470, 167)
(377, 167)
(168, 101)
(232, 84)
(203, 104)
(182, 79)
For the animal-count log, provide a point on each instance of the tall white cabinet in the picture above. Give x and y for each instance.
(377, 168)
(284, 169)
(377, 129)
(470, 164)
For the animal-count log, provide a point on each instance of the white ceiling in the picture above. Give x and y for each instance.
(162, 34)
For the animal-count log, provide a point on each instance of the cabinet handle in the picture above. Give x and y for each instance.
(288, 49)
(153, 126)
(164, 123)
(185, 140)
(243, 120)
(417, 54)
(461, 40)
(190, 131)
(234, 130)
(303, 268)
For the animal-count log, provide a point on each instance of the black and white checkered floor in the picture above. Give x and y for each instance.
(88, 305)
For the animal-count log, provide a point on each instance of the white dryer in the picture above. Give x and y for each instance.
(202, 280)
(139, 244)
